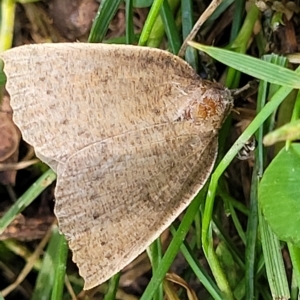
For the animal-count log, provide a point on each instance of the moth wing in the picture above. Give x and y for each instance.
(68, 96)
(114, 199)
(106, 118)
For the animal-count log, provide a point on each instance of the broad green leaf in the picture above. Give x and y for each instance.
(279, 194)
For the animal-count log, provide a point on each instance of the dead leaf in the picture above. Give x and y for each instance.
(9, 141)
(191, 295)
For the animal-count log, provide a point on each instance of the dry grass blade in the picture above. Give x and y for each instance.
(31, 260)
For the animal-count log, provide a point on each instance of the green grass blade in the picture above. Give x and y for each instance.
(252, 66)
(270, 107)
(105, 14)
(273, 260)
(170, 27)
(30, 195)
(173, 249)
(153, 13)
(251, 237)
(60, 267)
(112, 287)
(130, 37)
(8, 8)
(2, 74)
(191, 54)
(155, 255)
(295, 258)
(199, 271)
(252, 225)
(45, 279)
(218, 272)
(237, 19)
(241, 42)
(245, 136)
(158, 30)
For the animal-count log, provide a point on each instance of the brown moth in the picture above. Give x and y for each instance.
(131, 133)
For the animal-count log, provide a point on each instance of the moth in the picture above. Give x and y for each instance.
(131, 133)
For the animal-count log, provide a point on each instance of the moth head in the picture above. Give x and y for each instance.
(207, 107)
